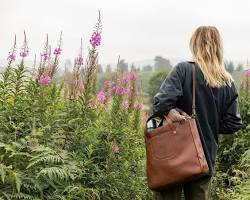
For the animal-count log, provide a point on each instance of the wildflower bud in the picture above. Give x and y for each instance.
(101, 96)
(115, 148)
(25, 50)
(125, 105)
(57, 51)
(119, 91)
(125, 80)
(247, 73)
(12, 56)
(45, 79)
(30, 146)
(44, 56)
(24, 54)
(138, 106)
(133, 76)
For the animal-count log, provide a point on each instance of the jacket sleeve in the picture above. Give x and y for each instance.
(231, 120)
(169, 92)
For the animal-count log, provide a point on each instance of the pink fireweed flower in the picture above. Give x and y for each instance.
(133, 76)
(125, 105)
(44, 56)
(30, 146)
(115, 147)
(24, 54)
(95, 40)
(45, 79)
(125, 80)
(113, 86)
(34, 72)
(25, 50)
(144, 117)
(247, 72)
(119, 91)
(128, 91)
(101, 96)
(93, 105)
(11, 56)
(81, 86)
(108, 84)
(47, 50)
(57, 51)
(79, 60)
(138, 106)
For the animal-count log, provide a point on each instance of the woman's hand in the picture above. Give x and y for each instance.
(177, 115)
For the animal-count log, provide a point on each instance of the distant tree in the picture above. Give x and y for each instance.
(161, 63)
(239, 67)
(108, 68)
(138, 69)
(133, 67)
(68, 63)
(155, 82)
(147, 68)
(229, 65)
(99, 69)
(123, 66)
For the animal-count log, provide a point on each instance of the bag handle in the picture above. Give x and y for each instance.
(193, 98)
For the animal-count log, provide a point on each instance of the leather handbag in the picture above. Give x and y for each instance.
(174, 151)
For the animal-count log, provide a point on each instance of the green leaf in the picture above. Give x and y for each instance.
(2, 172)
(18, 181)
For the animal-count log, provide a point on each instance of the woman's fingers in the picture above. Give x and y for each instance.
(185, 114)
(178, 116)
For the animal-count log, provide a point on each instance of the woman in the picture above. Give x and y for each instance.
(217, 106)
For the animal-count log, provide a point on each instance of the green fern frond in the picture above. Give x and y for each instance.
(2, 172)
(32, 184)
(20, 154)
(78, 192)
(20, 196)
(45, 159)
(18, 182)
(55, 173)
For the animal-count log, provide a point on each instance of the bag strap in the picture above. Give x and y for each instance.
(193, 98)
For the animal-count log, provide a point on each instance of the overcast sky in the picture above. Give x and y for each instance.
(135, 29)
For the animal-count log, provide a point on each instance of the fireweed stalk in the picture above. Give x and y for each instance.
(116, 109)
(57, 52)
(246, 82)
(90, 68)
(24, 50)
(77, 85)
(131, 89)
(12, 54)
(45, 57)
(107, 91)
(138, 106)
(34, 71)
(43, 75)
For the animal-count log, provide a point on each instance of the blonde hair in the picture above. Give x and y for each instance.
(207, 50)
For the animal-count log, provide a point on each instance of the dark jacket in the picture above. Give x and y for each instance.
(217, 109)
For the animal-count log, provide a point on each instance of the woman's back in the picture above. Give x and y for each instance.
(211, 105)
(216, 106)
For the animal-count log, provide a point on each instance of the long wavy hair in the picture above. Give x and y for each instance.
(207, 50)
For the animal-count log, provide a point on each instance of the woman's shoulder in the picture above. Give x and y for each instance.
(183, 67)
(184, 64)
(230, 90)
